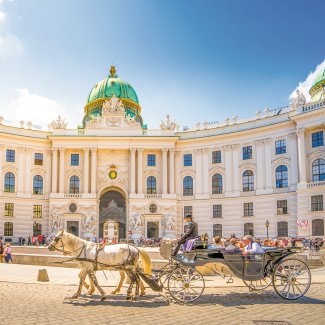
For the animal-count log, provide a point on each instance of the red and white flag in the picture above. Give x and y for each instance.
(302, 223)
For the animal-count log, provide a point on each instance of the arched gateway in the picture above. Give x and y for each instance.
(112, 215)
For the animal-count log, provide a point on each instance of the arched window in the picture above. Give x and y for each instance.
(281, 176)
(248, 181)
(217, 230)
(38, 184)
(216, 184)
(37, 229)
(74, 185)
(151, 185)
(319, 170)
(249, 229)
(317, 227)
(282, 229)
(188, 186)
(8, 229)
(10, 182)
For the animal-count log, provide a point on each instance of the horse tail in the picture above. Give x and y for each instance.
(146, 262)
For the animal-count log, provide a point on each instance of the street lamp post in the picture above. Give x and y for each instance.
(267, 224)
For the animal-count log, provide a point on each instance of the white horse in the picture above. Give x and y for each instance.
(92, 257)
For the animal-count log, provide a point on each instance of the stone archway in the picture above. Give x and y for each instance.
(112, 215)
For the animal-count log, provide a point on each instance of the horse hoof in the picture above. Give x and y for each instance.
(114, 292)
(103, 298)
(89, 293)
(142, 294)
(128, 298)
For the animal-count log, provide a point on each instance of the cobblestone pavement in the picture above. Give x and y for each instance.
(45, 304)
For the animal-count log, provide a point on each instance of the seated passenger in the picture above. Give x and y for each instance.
(251, 247)
(232, 246)
(217, 243)
(191, 233)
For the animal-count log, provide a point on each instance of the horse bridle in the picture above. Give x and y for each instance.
(57, 239)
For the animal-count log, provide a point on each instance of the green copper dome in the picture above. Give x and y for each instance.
(317, 90)
(106, 89)
(113, 85)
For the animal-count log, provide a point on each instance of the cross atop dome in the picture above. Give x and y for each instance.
(112, 72)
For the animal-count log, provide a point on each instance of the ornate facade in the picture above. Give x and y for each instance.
(113, 177)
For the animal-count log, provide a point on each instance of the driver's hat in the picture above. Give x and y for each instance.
(188, 216)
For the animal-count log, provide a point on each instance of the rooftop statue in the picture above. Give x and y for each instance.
(58, 124)
(168, 124)
(299, 100)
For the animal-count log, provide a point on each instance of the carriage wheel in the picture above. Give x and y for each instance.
(186, 284)
(259, 284)
(291, 279)
(164, 275)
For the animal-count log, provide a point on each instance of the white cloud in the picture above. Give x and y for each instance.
(2, 16)
(304, 86)
(38, 109)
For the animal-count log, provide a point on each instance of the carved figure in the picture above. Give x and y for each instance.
(58, 124)
(135, 222)
(299, 100)
(170, 222)
(89, 224)
(167, 124)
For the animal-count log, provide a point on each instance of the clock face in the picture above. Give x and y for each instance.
(112, 174)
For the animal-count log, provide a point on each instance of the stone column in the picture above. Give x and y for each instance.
(140, 171)
(260, 166)
(28, 167)
(132, 170)
(93, 170)
(47, 166)
(294, 160)
(164, 171)
(61, 171)
(302, 155)
(178, 178)
(198, 171)
(228, 166)
(171, 171)
(54, 170)
(235, 169)
(205, 170)
(21, 170)
(86, 170)
(268, 165)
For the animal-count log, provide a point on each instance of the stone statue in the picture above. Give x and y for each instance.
(170, 222)
(135, 222)
(58, 124)
(299, 100)
(168, 124)
(89, 224)
(55, 222)
(113, 105)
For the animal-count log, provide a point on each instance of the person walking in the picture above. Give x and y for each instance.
(1, 251)
(29, 241)
(7, 252)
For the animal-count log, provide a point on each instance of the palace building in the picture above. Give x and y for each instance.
(114, 177)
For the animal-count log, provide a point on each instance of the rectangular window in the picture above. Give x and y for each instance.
(37, 211)
(151, 160)
(74, 159)
(188, 160)
(280, 147)
(8, 229)
(317, 139)
(248, 209)
(216, 157)
(217, 211)
(38, 159)
(188, 210)
(10, 155)
(9, 209)
(317, 203)
(247, 152)
(282, 207)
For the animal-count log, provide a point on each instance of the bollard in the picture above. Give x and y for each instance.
(42, 276)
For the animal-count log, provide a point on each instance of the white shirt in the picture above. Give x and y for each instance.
(254, 248)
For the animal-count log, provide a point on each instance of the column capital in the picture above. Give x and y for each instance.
(62, 149)
(164, 150)
(267, 141)
(93, 149)
(300, 132)
(140, 149)
(54, 149)
(86, 149)
(171, 149)
(198, 151)
(227, 147)
(259, 142)
(133, 149)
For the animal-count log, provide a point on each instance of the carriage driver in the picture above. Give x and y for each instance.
(191, 233)
(251, 246)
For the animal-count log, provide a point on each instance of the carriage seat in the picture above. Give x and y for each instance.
(272, 249)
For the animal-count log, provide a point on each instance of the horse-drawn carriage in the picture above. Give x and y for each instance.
(278, 266)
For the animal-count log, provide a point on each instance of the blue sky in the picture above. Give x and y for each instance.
(196, 60)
